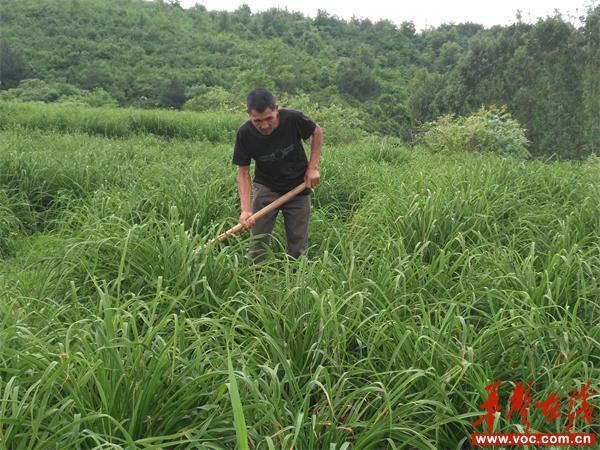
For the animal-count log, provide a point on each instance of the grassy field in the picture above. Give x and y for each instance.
(428, 278)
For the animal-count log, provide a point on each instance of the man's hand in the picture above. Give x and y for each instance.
(312, 177)
(245, 219)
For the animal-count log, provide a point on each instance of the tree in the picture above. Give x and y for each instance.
(450, 53)
(356, 80)
(408, 29)
(174, 94)
(591, 82)
(97, 75)
(423, 90)
(13, 68)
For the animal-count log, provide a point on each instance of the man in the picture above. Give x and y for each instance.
(272, 137)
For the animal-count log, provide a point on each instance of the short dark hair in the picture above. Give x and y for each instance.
(260, 99)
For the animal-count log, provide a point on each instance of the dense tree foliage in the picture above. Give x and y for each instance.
(12, 66)
(157, 54)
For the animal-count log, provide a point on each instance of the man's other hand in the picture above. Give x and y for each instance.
(246, 220)
(312, 177)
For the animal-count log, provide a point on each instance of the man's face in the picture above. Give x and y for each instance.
(266, 121)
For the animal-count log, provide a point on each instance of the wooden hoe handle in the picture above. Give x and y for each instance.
(260, 214)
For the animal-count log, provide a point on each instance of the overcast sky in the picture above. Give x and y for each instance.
(423, 13)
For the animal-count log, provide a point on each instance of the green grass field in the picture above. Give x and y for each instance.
(428, 278)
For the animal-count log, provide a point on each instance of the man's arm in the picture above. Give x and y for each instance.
(244, 189)
(312, 177)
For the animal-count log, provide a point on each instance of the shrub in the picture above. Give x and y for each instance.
(341, 124)
(203, 98)
(100, 97)
(34, 90)
(488, 130)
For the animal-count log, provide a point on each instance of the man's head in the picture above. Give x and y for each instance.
(262, 110)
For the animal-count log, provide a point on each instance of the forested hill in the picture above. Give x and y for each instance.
(156, 54)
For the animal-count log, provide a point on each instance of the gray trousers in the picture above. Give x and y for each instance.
(296, 216)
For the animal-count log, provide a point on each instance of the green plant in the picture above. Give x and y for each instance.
(428, 277)
(341, 123)
(487, 130)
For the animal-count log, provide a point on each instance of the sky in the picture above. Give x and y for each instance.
(423, 13)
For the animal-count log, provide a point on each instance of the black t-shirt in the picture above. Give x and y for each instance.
(280, 159)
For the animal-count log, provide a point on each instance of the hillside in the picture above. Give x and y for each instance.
(156, 54)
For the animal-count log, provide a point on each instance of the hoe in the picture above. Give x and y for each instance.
(259, 214)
